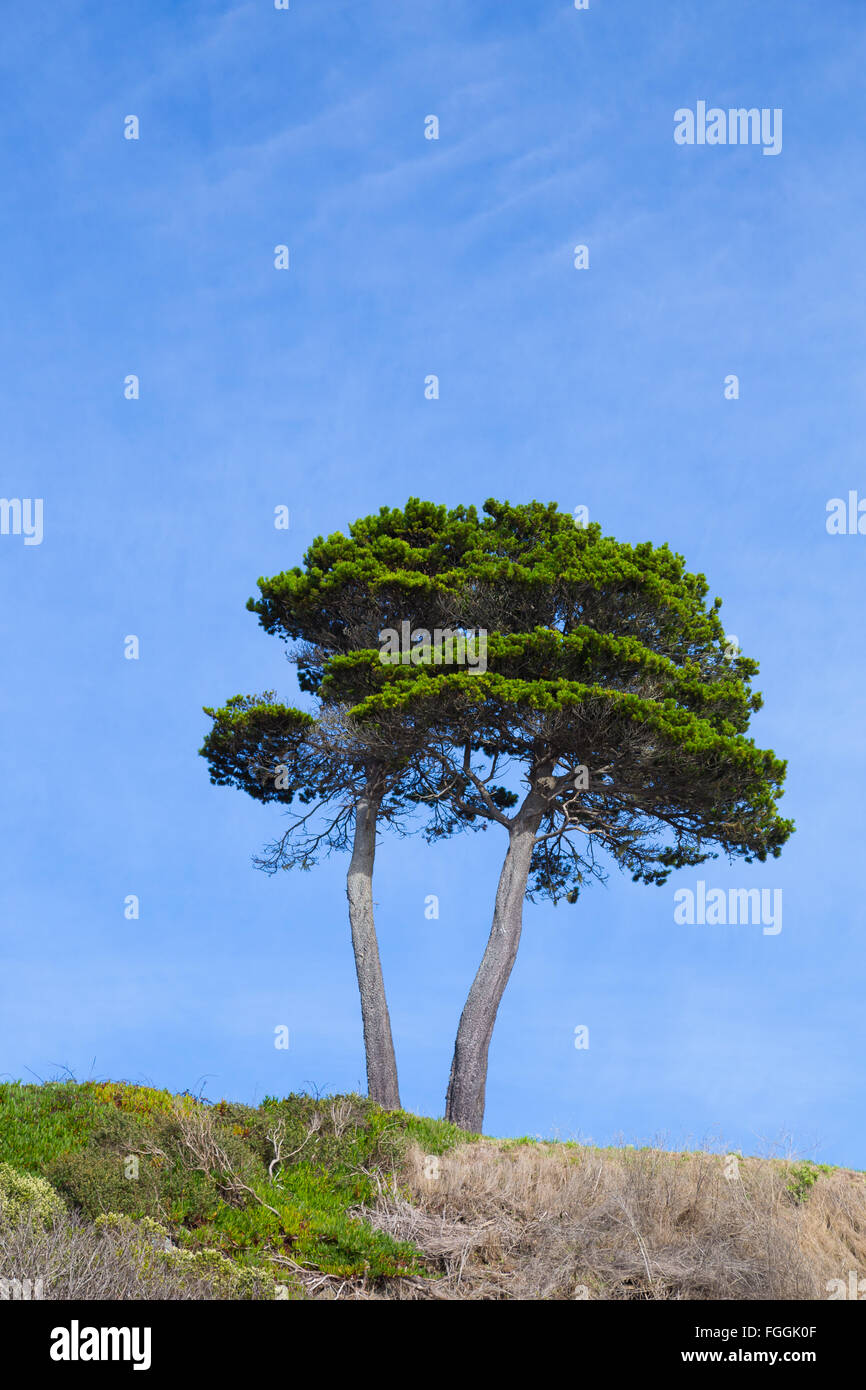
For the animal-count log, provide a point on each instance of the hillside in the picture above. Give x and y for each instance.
(110, 1190)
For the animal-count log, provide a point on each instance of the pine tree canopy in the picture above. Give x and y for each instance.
(600, 656)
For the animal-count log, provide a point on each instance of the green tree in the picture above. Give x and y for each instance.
(611, 693)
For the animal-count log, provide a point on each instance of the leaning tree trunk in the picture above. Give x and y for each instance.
(465, 1101)
(378, 1044)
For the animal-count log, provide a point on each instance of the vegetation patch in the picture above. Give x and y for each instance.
(803, 1177)
(221, 1191)
(23, 1194)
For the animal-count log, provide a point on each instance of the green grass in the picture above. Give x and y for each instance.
(111, 1147)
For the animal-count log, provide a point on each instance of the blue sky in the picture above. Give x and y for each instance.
(305, 388)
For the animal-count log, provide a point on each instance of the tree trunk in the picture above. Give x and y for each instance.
(465, 1101)
(378, 1044)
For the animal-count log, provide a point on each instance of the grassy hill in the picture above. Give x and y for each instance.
(110, 1190)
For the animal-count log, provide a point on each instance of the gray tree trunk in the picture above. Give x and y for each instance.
(378, 1044)
(466, 1088)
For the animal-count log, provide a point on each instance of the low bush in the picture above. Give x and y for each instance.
(24, 1194)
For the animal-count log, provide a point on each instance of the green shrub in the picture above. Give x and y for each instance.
(23, 1194)
(139, 1169)
(803, 1177)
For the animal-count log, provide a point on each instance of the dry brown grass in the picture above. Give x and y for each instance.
(547, 1221)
